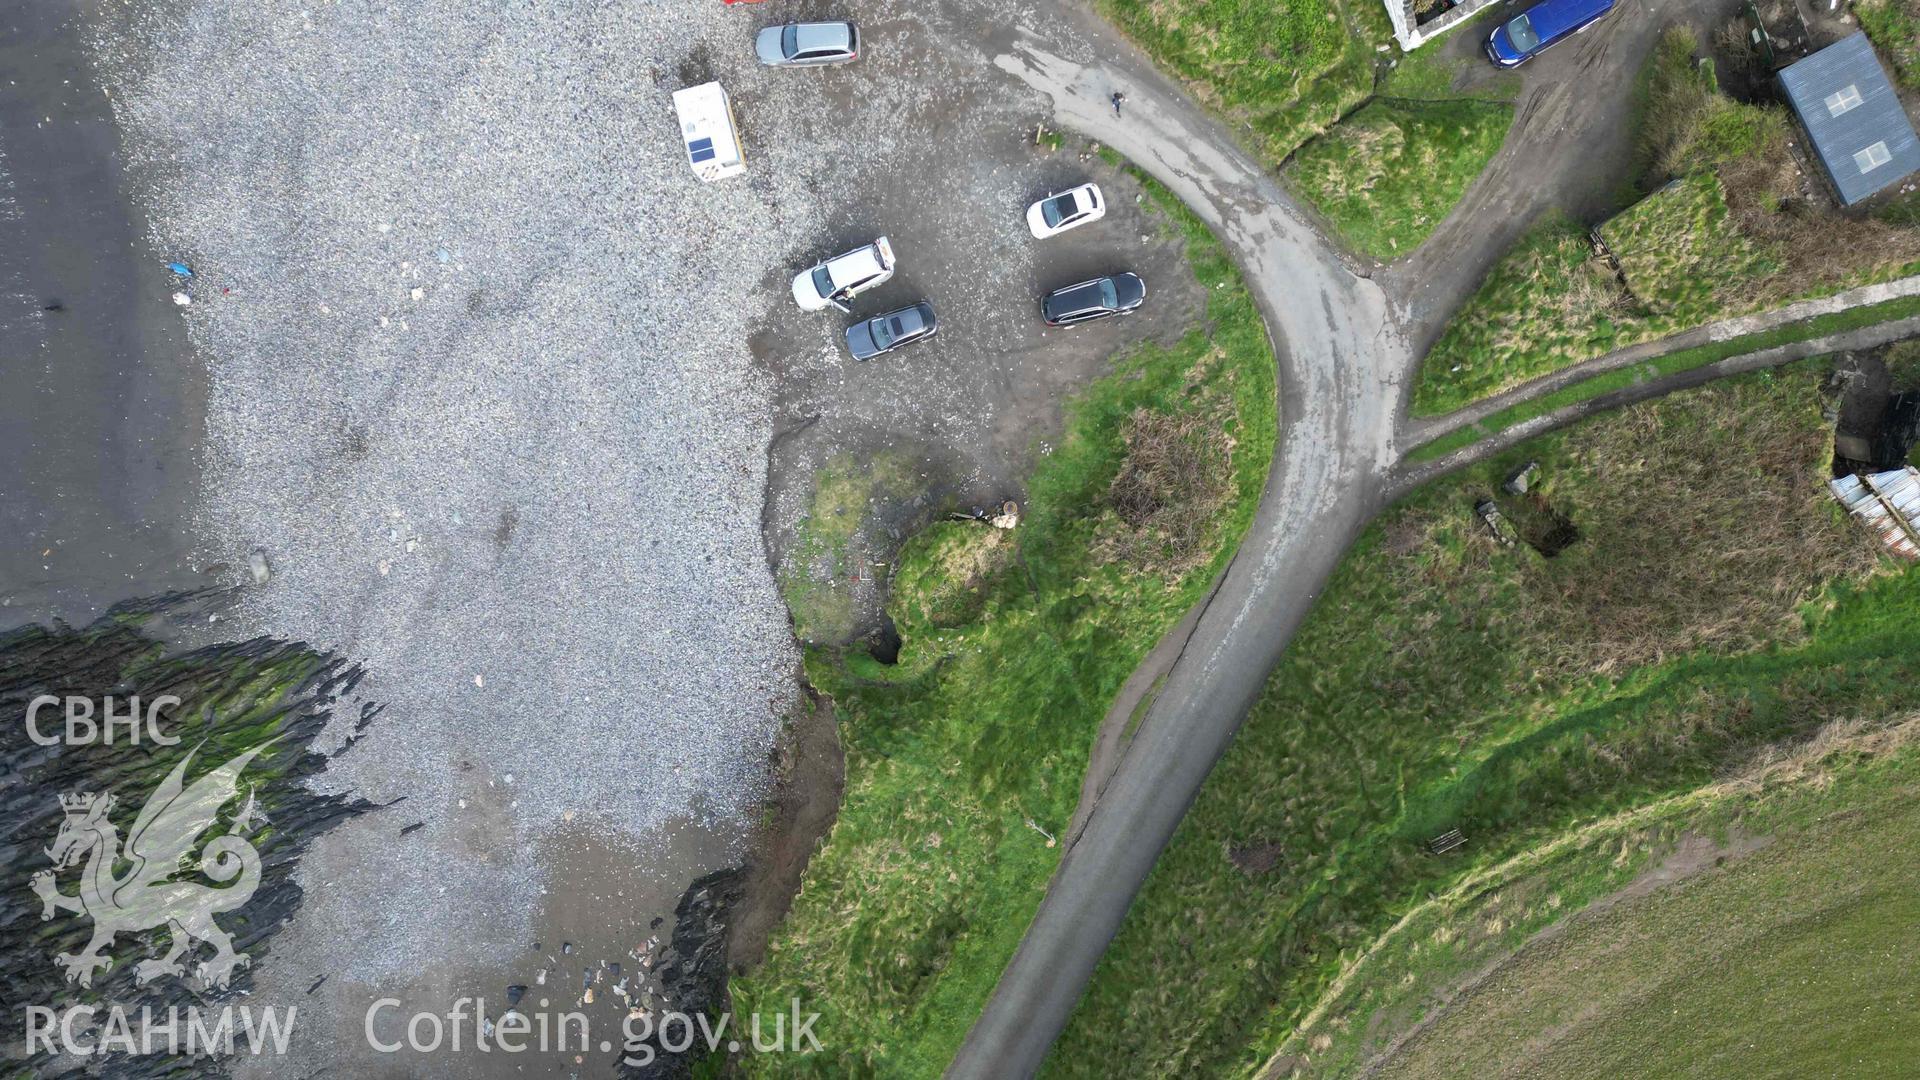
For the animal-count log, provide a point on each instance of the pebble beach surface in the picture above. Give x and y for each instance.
(479, 390)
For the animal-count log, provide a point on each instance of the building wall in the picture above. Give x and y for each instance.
(1412, 36)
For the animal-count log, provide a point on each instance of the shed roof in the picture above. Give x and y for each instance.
(1859, 131)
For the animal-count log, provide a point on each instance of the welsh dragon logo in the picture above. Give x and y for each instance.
(157, 851)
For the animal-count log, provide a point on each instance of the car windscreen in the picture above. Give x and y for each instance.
(1109, 296)
(822, 281)
(1055, 211)
(1521, 31)
(885, 331)
(790, 41)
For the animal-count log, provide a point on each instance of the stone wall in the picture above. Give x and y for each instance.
(1412, 35)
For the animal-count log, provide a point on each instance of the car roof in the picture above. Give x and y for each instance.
(1551, 18)
(821, 35)
(911, 319)
(1079, 296)
(854, 265)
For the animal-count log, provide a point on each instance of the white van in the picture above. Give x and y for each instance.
(706, 126)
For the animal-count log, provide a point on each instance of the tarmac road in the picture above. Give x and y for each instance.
(1340, 361)
(1346, 346)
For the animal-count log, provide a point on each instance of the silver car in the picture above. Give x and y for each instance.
(808, 44)
(885, 333)
(843, 277)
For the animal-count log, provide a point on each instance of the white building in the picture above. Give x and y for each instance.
(1411, 34)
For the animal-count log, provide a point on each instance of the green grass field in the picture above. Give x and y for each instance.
(1714, 602)
(1013, 646)
(1793, 960)
(1718, 243)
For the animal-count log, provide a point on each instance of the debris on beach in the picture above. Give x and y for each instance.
(181, 270)
(182, 299)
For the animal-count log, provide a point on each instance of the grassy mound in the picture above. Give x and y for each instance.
(967, 754)
(1388, 175)
(1713, 602)
(1287, 70)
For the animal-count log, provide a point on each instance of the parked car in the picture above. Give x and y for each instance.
(1095, 299)
(1542, 26)
(808, 44)
(1065, 210)
(844, 277)
(884, 333)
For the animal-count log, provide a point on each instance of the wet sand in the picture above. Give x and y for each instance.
(104, 402)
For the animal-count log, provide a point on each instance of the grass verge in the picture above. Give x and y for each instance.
(1671, 364)
(965, 755)
(1713, 602)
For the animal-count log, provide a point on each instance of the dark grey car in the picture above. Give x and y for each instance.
(885, 333)
(808, 44)
(1096, 299)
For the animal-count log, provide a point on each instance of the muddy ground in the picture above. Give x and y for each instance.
(955, 423)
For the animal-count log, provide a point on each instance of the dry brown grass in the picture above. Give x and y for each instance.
(1175, 479)
(1811, 761)
(1727, 567)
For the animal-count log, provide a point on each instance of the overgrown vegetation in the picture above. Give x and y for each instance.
(1174, 479)
(1740, 231)
(1714, 603)
(815, 577)
(965, 757)
(1894, 27)
(1388, 175)
(1283, 71)
(1300, 78)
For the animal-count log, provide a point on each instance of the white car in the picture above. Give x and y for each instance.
(1065, 210)
(844, 277)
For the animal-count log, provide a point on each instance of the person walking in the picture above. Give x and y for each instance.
(1118, 97)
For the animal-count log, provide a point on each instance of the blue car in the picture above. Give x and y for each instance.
(1542, 26)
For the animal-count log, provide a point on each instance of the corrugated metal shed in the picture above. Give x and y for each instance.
(1888, 503)
(1859, 131)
